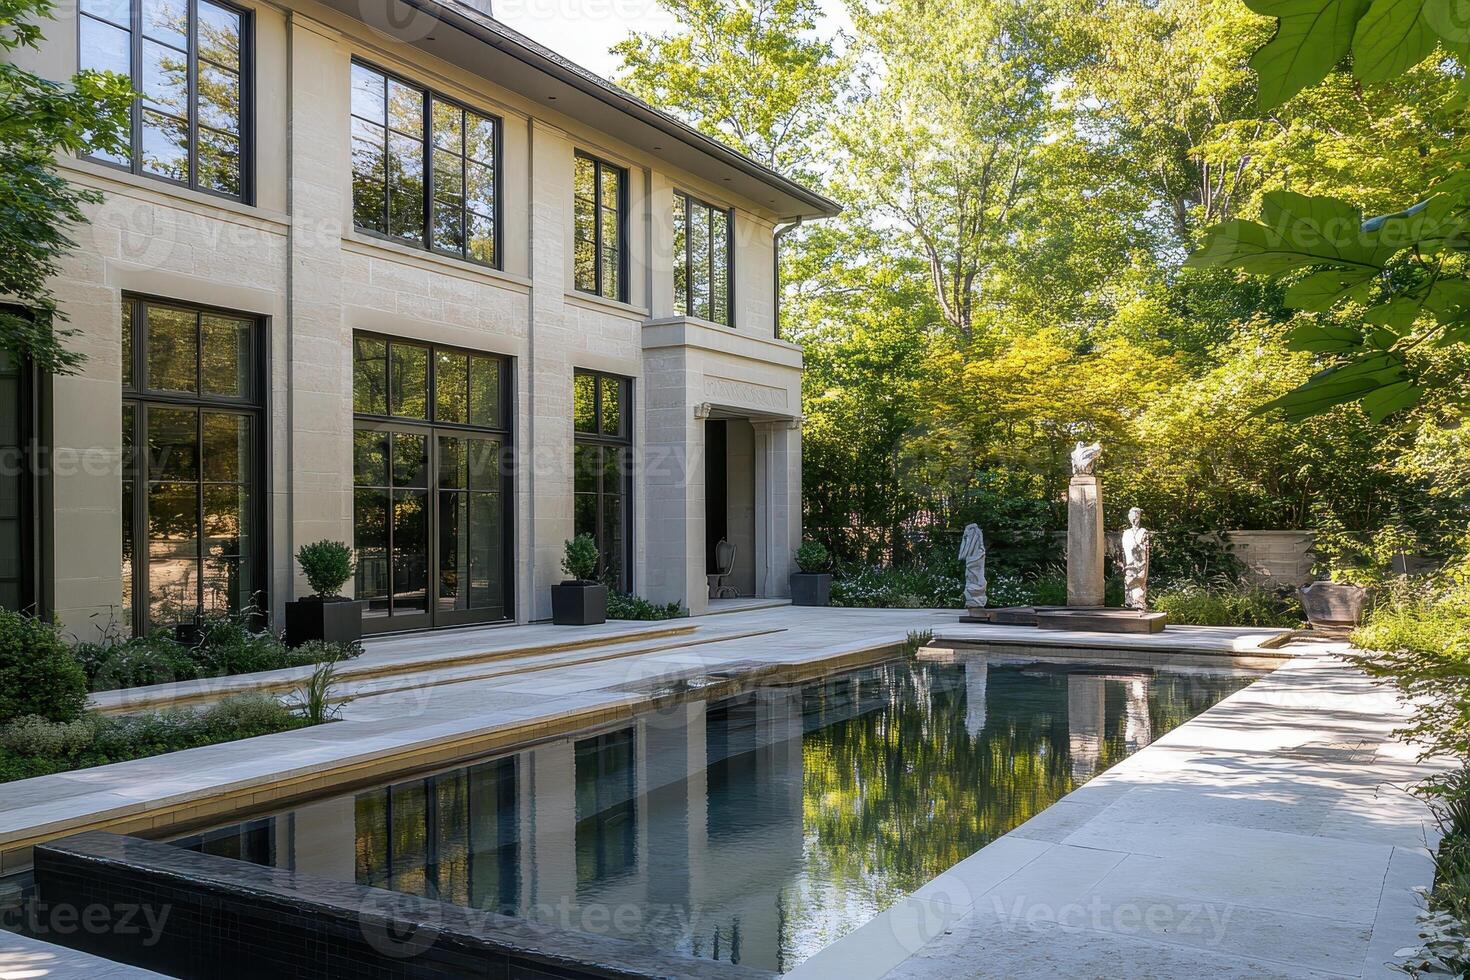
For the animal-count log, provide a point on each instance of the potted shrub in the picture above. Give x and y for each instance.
(580, 600)
(327, 614)
(812, 586)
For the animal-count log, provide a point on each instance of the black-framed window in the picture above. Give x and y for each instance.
(424, 167)
(190, 63)
(18, 583)
(703, 260)
(602, 423)
(192, 518)
(600, 208)
(432, 492)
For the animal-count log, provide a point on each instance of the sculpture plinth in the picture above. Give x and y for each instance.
(1085, 542)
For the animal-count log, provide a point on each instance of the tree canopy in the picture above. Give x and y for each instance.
(38, 119)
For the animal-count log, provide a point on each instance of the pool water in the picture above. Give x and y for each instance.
(754, 829)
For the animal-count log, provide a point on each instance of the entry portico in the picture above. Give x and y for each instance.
(751, 386)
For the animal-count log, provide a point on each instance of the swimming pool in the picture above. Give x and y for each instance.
(754, 828)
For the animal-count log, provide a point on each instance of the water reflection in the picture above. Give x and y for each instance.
(754, 829)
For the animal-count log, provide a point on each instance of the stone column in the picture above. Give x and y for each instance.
(1085, 542)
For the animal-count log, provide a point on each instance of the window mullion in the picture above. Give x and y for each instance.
(135, 45)
(191, 89)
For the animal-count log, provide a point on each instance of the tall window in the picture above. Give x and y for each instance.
(603, 425)
(191, 452)
(702, 260)
(600, 208)
(189, 60)
(431, 498)
(16, 513)
(423, 168)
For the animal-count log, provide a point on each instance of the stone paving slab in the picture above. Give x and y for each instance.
(1271, 836)
(24, 958)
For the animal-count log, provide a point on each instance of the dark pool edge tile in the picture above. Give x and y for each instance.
(233, 918)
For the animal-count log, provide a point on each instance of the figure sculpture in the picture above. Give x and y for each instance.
(1085, 457)
(1137, 540)
(972, 553)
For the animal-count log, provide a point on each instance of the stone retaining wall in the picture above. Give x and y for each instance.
(1274, 558)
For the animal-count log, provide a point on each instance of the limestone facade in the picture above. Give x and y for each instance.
(290, 256)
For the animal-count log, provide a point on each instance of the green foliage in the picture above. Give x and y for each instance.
(35, 746)
(315, 700)
(327, 566)
(38, 207)
(226, 646)
(1226, 604)
(1419, 637)
(38, 673)
(749, 72)
(812, 556)
(910, 587)
(580, 560)
(1385, 37)
(621, 605)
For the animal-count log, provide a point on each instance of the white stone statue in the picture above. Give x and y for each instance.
(972, 553)
(1137, 541)
(1085, 457)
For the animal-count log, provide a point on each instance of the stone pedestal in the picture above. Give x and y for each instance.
(1085, 542)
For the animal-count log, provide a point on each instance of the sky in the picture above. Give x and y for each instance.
(584, 30)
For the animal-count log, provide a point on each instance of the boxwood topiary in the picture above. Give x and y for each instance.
(327, 566)
(39, 675)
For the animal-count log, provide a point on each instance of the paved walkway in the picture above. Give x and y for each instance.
(23, 958)
(1270, 836)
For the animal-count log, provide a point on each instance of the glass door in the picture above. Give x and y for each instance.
(431, 485)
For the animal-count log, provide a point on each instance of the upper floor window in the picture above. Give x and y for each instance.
(702, 260)
(600, 207)
(189, 62)
(423, 168)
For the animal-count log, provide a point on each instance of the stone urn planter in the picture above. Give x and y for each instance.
(333, 620)
(1333, 605)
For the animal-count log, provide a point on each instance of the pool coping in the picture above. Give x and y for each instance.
(1115, 836)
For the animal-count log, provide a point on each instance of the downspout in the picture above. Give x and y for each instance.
(776, 273)
(290, 313)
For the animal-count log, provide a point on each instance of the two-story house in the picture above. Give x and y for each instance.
(393, 274)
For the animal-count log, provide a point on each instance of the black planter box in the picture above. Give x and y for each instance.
(811, 589)
(337, 620)
(578, 604)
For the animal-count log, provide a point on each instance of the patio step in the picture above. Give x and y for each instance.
(377, 662)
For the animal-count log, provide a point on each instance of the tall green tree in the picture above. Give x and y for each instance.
(941, 144)
(40, 118)
(751, 72)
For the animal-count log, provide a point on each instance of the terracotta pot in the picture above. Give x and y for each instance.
(1333, 605)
